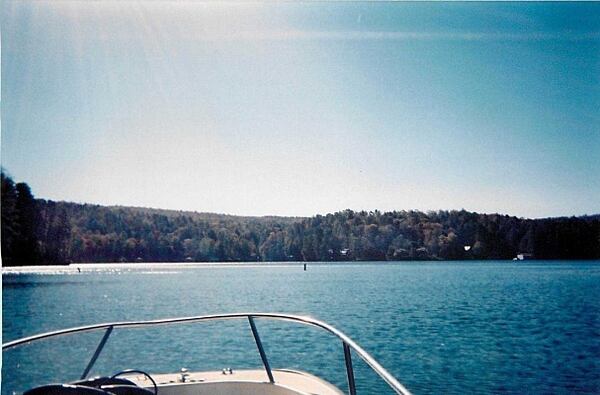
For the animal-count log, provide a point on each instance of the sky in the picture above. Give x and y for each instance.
(305, 108)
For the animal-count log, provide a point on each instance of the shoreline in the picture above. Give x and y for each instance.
(75, 268)
(84, 267)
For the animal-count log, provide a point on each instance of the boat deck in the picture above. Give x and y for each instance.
(248, 382)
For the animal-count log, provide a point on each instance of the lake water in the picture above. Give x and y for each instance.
(439, 327)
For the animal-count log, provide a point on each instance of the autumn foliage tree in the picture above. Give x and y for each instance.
(36, 231)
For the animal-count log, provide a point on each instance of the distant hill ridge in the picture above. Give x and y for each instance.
(37, 231)
(201, 215)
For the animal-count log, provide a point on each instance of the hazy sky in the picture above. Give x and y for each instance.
(300, 108)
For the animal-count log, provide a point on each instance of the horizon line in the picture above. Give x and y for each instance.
(423, 211)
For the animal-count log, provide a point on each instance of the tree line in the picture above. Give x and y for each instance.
(38, 231)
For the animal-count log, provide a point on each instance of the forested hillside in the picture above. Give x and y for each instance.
(37, 231)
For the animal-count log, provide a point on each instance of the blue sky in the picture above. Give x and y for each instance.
(305, 108)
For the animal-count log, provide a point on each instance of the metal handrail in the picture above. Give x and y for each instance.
(347, 342)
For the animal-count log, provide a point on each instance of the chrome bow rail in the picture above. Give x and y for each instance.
(347, 343)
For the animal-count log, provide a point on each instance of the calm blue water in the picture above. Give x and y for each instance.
(452, 328)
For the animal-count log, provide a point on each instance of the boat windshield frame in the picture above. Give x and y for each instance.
(347, 343)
